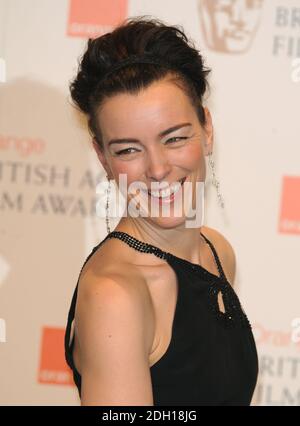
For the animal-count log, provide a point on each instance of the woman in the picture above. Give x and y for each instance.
(156, 321)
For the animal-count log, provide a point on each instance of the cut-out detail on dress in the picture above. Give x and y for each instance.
(221, 302)
(234, 314)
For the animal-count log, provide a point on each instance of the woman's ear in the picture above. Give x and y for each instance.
(101, 156)
(209, 132)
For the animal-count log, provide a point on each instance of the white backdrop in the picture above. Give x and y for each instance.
(48, 174)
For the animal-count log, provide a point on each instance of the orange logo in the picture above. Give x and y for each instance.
(229, 26)
(289, 220)
(277, 338)
(53, 367)
(91, 18)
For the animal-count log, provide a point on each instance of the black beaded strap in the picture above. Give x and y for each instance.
(149, 248)
(138, 245)
(218, 262)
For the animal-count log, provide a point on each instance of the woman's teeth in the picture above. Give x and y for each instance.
(165, 193)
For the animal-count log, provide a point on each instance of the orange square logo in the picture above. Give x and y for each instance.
(53, 368)
(91, 18)
(289, 221)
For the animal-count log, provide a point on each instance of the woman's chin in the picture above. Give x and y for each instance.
(167, 222)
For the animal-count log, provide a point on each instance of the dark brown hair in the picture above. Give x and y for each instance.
(135, 36)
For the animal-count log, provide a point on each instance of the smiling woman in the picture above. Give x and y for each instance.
(154, 319)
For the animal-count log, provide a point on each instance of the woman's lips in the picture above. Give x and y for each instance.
(169, 196)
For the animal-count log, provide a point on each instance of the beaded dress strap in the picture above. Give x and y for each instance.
(148, 248)
(218, 262)
(138, 245)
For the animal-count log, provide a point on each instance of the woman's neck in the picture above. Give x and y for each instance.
(181, 241)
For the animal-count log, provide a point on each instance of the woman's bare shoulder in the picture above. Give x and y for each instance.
(107, 258)
(113, 260)
(111, 270)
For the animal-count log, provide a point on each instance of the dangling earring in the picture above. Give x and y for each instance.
(215, 181)
(107, 205)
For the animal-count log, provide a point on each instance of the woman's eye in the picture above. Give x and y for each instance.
(128, 151)
(176, 137)
(125, 151)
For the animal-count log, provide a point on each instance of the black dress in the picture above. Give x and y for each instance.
(212, 357)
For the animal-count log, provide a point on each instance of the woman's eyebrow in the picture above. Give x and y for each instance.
(161, 134)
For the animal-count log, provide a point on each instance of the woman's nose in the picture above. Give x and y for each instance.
(158, 166)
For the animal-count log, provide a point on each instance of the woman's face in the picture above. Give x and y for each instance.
(154, 136)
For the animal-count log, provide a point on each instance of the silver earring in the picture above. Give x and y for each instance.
(215, 181)
(107, 205)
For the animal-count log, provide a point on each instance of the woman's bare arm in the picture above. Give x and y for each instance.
(113, 334)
